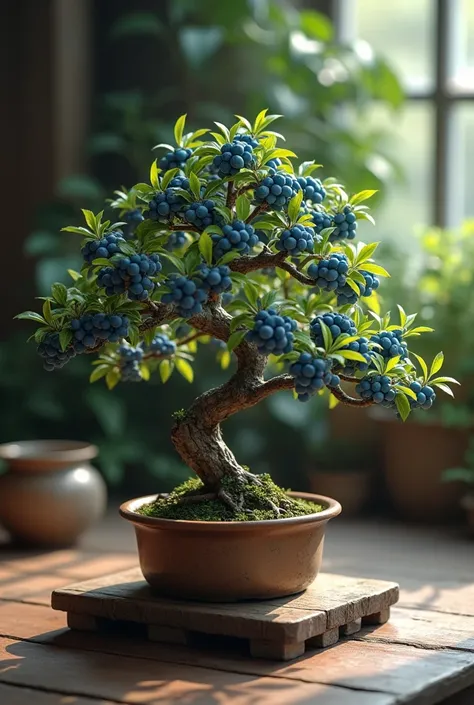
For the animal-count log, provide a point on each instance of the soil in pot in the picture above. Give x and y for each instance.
(263, 502)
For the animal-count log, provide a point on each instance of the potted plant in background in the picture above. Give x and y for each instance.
(439, 284)
(465, 475)
(232, 239)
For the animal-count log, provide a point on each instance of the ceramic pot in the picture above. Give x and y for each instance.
(352, 488)
(228, 561)
(50, 493)
(415, 457)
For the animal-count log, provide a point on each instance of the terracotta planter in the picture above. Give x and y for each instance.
(467, 502)
(415, 457)
(50, 493)
(228, 561)
(352, 488)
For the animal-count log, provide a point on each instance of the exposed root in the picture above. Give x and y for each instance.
(227, 499)
(247, 478)
(278, 511)
(195, 498)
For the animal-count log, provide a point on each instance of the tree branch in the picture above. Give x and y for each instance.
(264, 260)
(350, 401)
(256, 211)
(348, 378)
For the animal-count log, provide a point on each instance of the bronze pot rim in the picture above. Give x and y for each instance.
(43, 454)
(332, 509)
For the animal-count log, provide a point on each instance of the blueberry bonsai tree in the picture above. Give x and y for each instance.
(231, 243)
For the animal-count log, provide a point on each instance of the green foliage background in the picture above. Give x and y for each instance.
(210, 60)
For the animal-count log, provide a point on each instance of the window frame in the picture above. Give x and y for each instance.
(444, 97)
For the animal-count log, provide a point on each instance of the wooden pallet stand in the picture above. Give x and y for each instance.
(281, 629)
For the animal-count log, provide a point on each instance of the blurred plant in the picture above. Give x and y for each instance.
(463, 474)
(439, 283)
(301, 71)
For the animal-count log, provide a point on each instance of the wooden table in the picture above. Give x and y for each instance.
(424, 655)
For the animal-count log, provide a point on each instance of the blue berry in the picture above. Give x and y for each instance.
(234, 156)
(201, 213)
(346, 295)
(247, 139)
(93, 329)
(338, 324)
(50, 350)
(277, 190)
(161, 345)
(272, 333)
(187, 292)
(321, 220)
(130, 359)
(296, 240)
(313, 190)
(311, 375)
(176, 240)
(215, 280)
(164, 205)
(273, 164)
(132, 275)
(331, 273)
(238, 236)
(389, 343)
(175, 159)
(345, 223)
(425, 396)
(133, 219)
(378, 388)
(106, 247)
(179, 182)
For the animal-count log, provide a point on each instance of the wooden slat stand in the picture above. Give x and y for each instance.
(333, 606)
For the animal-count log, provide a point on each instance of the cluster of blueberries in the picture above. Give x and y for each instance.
(272, 333)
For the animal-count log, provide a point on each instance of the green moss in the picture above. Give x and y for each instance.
(255, 499)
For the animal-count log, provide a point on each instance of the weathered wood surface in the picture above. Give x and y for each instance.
(331, 602)
(422, 656)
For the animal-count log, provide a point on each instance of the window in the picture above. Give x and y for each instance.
(430, 43)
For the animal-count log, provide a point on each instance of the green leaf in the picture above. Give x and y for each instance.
(47, 313)
(327, 336)
(294, 206)
(77, 230)
(169, 176)
(166, 370)
(205, 246)
(437, 364)
(333, 402)
(90, 219)
(361, 196)
(403, 316)
(375, 269)
(65, 337)
(403, 406)
(154, 181)
(451, 380)
(244, 122)
(144, 371)
(251, 293)
(30, 316)
(406, 390)
(134, 24)
(59, 293)
(179, 129)
(242, 207)
(366, 252)
(444, 388)
(355, 288)
(458, 475)
(112, 378)
(99, 372)
(223, 129)
(195, 186)
(101, 262)
(393, 362)
(235, 339)
(351, 355)
(423, 366)
(185, 369)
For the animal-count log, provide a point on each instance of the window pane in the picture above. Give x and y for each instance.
(464, 172)
(403, 32)
(463, 43)
(407, 204)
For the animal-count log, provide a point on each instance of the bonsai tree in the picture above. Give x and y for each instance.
(230, 241)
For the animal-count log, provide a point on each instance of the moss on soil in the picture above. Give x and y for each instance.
(255, 499)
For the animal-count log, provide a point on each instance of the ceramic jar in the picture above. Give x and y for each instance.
(50, 493)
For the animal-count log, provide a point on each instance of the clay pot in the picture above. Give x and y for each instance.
(415, 457)
(50, 493)
(467, 503)
(229, 561)
(352, 488)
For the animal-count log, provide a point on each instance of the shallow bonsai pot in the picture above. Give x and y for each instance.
(352, 487)
(50, 493)
(229, 561)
